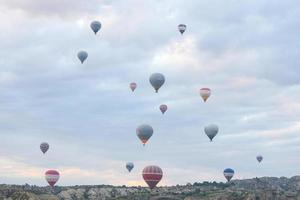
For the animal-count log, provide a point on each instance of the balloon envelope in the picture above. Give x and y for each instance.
(157, 80)
(44, 147)
(95, 26)
(133, 86)
(152, 175)
(129, 166)
(82, 56)
(211, 131)
(52, 177)
(259, 158)
(181, 28)
(144, 132)
(228, 173)
(205, 93)
(163, 108)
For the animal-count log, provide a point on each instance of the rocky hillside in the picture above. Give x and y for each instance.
(251, 189)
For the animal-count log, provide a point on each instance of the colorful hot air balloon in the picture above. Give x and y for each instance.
(152, 175)
(44, 147)
(211, 131)
(144, 132)
(129, 166)
(259, 158)
(133, 86)
(228, 173)
(205, 93)
(157, 80)
(163, 108)
(52, 177)
(181, 28)
(95, 26)
(82, 56)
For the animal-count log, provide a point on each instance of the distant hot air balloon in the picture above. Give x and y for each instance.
(259, 158)
(181, 28)
(228, 173)
(144, 132)
(211, 131)
(152, 175)
(95, 26)
(129, 166)
(82, 56)
(163, 108)
(157, 80)
(133, 86)
(44, 147)
(205, 93)
(52, 177)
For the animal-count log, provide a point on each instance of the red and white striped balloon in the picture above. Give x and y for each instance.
(152, 175)
(52, 177)
(205, 93)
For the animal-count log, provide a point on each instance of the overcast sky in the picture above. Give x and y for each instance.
(246, 51)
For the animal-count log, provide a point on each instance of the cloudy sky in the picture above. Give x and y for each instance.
(246, 51)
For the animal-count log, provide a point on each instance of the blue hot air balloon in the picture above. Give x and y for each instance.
(129, 166)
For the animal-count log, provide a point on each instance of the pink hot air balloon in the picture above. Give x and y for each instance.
(205, 93)
(52, 177)
(152, 175)
(163, 108)
(133, 86)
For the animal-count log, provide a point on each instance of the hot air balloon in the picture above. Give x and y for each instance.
(157, 80)
(133, 86)
(95, 26)
(129, 166)
(52, 177)
(181, 28)
(205, 93)
(82, 56)
(228, 173)
(259, 158)
(44, 147)
(163, 108)
(211, 131)
(152, 175)
(144, 132)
